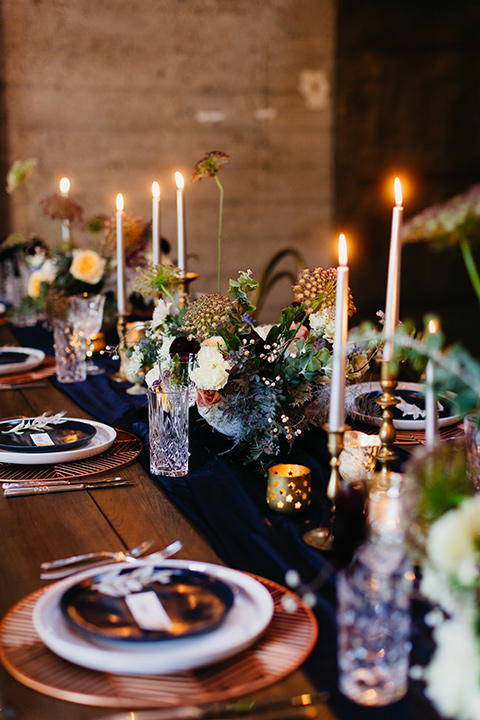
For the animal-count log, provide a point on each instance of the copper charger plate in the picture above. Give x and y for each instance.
(285, 645)
(125, 448)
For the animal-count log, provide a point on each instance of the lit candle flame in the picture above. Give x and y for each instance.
(64, 185)
(120, 202)
(155, 190)
(179, 180)
(398, 192)
(432, 326)
(342, 250)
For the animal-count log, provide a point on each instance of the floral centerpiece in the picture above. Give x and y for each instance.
(261, 385)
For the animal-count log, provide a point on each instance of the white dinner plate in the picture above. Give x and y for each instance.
(102, 440)
(407, 414)
(250, 614)
(33, 358)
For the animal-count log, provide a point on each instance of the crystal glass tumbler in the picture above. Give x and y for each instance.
(168, 429)
(373, 608)
(69, 352)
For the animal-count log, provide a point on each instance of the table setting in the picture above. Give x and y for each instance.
(287, 449)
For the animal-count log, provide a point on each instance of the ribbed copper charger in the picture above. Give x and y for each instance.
(125, 448)
(283, 647)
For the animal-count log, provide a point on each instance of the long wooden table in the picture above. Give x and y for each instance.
(34, 529)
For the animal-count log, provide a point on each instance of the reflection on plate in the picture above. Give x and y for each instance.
(16, 359)
(248, 617)
(188, 603)
(409, 414)
(64, 436)
(103, 438)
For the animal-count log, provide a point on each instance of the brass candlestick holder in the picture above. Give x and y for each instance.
(387, 401)
(184, 287)
(321, 537)
(120, 375)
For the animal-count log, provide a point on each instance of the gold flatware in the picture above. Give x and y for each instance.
(43, 489)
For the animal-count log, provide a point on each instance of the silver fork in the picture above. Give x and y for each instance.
(107, 554)
(57, 574)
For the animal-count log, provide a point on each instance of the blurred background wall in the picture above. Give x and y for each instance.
(319, 103)
(119, 93)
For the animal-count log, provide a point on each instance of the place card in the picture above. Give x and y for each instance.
(41, 439)
(148, 611)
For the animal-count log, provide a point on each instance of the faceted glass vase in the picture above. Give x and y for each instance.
(168, 430)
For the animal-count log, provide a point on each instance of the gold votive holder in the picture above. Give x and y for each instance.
(289, 488)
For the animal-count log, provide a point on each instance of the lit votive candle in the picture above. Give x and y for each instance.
(289, 488)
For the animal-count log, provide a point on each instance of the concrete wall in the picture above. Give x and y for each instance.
(115, 94)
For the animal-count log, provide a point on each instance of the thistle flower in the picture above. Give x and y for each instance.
(209, 165)
(135, 236)
(59, 207)
(160, 279)
(316, 290)
(205, 314)
(19, 173)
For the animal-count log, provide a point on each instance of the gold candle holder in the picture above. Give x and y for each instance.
(120, 375)
(321, 537)
(184, 285)
(289, 488)
(387, 401)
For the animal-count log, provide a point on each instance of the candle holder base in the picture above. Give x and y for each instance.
(120, 375)
(185, 280)
(322, 537)
(387, 401)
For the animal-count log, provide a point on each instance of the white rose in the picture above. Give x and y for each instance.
(212, 369)
(87, 266)
(162, 309)
(34, 282)
(152, 375)
(134, 365)
(452, 542)
(452, 675)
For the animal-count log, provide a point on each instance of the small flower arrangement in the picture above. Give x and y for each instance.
(443, 527)
(262, 386)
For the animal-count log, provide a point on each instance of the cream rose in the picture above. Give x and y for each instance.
(87, 266)
(212, 369)
(45, 273)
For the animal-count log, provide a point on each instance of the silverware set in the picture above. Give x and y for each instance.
(40, 487)
(63, 567)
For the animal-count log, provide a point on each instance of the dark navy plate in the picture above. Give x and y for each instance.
(194, 602)
(66, 436)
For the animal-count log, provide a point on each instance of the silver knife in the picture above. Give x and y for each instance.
(230, 708)
(40, 490)
(45, 483)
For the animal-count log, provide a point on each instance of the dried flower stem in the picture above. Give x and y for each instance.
(220, 223)
(470, 265)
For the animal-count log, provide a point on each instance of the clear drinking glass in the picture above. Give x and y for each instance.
(90, 309)
(373, 608)
(168, 429)
(69, 352)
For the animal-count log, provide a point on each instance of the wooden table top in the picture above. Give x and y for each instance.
(34, 529)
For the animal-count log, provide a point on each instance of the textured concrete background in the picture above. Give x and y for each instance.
(115, 94)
